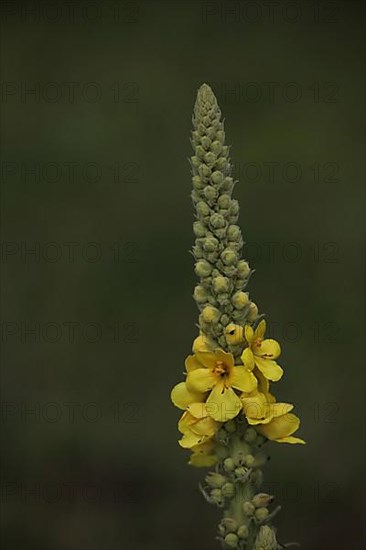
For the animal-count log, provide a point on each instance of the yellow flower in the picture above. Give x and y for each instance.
(203, 455)
(281, 428)
(181, 396)
(262, 353)
(196, 426)
(259, 409)
(216, 373)
(203, 343)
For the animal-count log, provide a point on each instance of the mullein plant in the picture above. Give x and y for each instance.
(229, 411)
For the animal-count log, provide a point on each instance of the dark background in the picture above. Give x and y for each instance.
(90, 454)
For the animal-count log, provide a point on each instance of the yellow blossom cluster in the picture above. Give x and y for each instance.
(217, 390)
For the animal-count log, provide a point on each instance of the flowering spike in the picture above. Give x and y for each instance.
(228, 410)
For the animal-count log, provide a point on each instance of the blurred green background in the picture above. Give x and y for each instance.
(97, 321)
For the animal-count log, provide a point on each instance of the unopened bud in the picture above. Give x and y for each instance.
(242, 532)
(253, 312)
(222, 164)
(200, 294)
(210, 158)
(229, 257)
(243, 269)
(261, 513)
(266, 539)
(230, 426)
(216, 496)
(203, 209)
(204, 171)
(217, 177)
(215, 480)
(249, 460)
(224, 201)
(206, 142)
(220, 284)
(216, 147)
(233, 233)
(210, 244)
(234, 207)
(231, 540)
(240, 299)
(230, 524)
(229, 464)
(228, 490)
(210, 314)
(262, 499)
(210, 193)
(217, 221)
(203, 268)
(248, 508)
(250, 435)
(199, 229)
(197, 183)
(228, 182)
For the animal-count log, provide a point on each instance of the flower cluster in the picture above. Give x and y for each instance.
(218, 389)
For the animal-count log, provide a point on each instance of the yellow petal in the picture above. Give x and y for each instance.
(280, 427)
(203, 343)
(198, 410)
(280, 409)
(181, 396)
(260, 330)
(226, 358)
(192, 363)
(201, 380)
(202, 461)
(249, 333)
(269, 349)
(241, 379)
(291, 439)
(190, 439)
(207, 358)
(185, 422)
(263, 383)
(248, 359)
(255, 407)
(205, 426)
(270, 369)
(223, 404)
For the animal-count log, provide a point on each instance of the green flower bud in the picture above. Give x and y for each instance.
(203, 209)
(210, 193)
(217, 177)
(226, 150)
(261, 513)
(216, 147)
(195, 161)
(229, 464)
(222, 164)
(220, 135)
(204, 171)
(206, 142)
(242, 532)
(224, 320)
(203, 268)
(262, 499)
(233, 231)
(228, 182)
(197, 183)
(200, 152)
(211, 132)
(210, 244)
(229, 257)
(210, 158)
(223, 201)
(250, 435)
(196, 197)
(223, 299)
(241, 473)
(199, 229)
(229, 270)
(201, 129)
(220, 284)
(230, 525)
(228, 490)
(217, 221)
(197, 252)
(248, 508)
(210, 314)
(266, 539)
(230, 426)
(231, 540)
(253, 312)
(240, 299)
(217, 497)
(215, 480)
(243, 269)
(200, 294)
(221, 232)
(195, 136)
(234, 207)
(249, 461)
(206, 121)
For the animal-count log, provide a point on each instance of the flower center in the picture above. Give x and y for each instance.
(220, 369)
